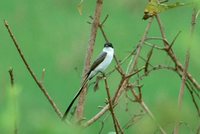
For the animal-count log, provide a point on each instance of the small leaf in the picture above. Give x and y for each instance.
(80, 7)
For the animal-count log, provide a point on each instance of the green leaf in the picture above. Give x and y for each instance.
(153, 8)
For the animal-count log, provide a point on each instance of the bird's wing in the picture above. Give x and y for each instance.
(97, 61)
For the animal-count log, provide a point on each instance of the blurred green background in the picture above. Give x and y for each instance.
(53, 35)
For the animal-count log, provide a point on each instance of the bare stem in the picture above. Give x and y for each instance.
(41, 87)
(11, 76)
(111, 105)
(173, 56)
(95, 24)
(184, 75)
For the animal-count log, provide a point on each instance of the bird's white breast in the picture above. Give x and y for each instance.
(106, 62)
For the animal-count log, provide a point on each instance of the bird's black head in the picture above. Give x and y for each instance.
(107, 44)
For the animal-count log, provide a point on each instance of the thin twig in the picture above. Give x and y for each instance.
(148, 59)
(102, 123)
(133, 120)
(170, 46)
(136, 72)
(11, 76)
(101, 28)
(41, 87)
(43, 75)
(193, 99)
(110, 105)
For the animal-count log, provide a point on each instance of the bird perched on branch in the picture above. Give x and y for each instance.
(99, 65)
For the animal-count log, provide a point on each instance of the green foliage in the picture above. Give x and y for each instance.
(154, 7)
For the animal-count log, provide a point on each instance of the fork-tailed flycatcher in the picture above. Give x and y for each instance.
(99, 65)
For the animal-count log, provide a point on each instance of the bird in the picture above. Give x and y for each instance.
(99, 65)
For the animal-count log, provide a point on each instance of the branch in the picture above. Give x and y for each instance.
(110, 104)
(148, 59)
(138, 98)
(95, 24)
(11, 76)
(41, 87)
(184, 75)
(133, 62)
(173, 56)
(101, 28)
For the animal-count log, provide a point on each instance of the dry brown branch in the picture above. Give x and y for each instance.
(193, 99)
(94, 28)
(148, 60)
(173, 56)
(184, 74)
(153, 45)
(110, 105)
(101, 28)
(41, 87)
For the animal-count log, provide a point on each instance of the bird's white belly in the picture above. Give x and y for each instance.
(102, 66)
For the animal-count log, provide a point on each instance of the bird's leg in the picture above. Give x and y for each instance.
(103, 74)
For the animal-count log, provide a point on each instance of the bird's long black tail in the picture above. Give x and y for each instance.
(75, 97)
